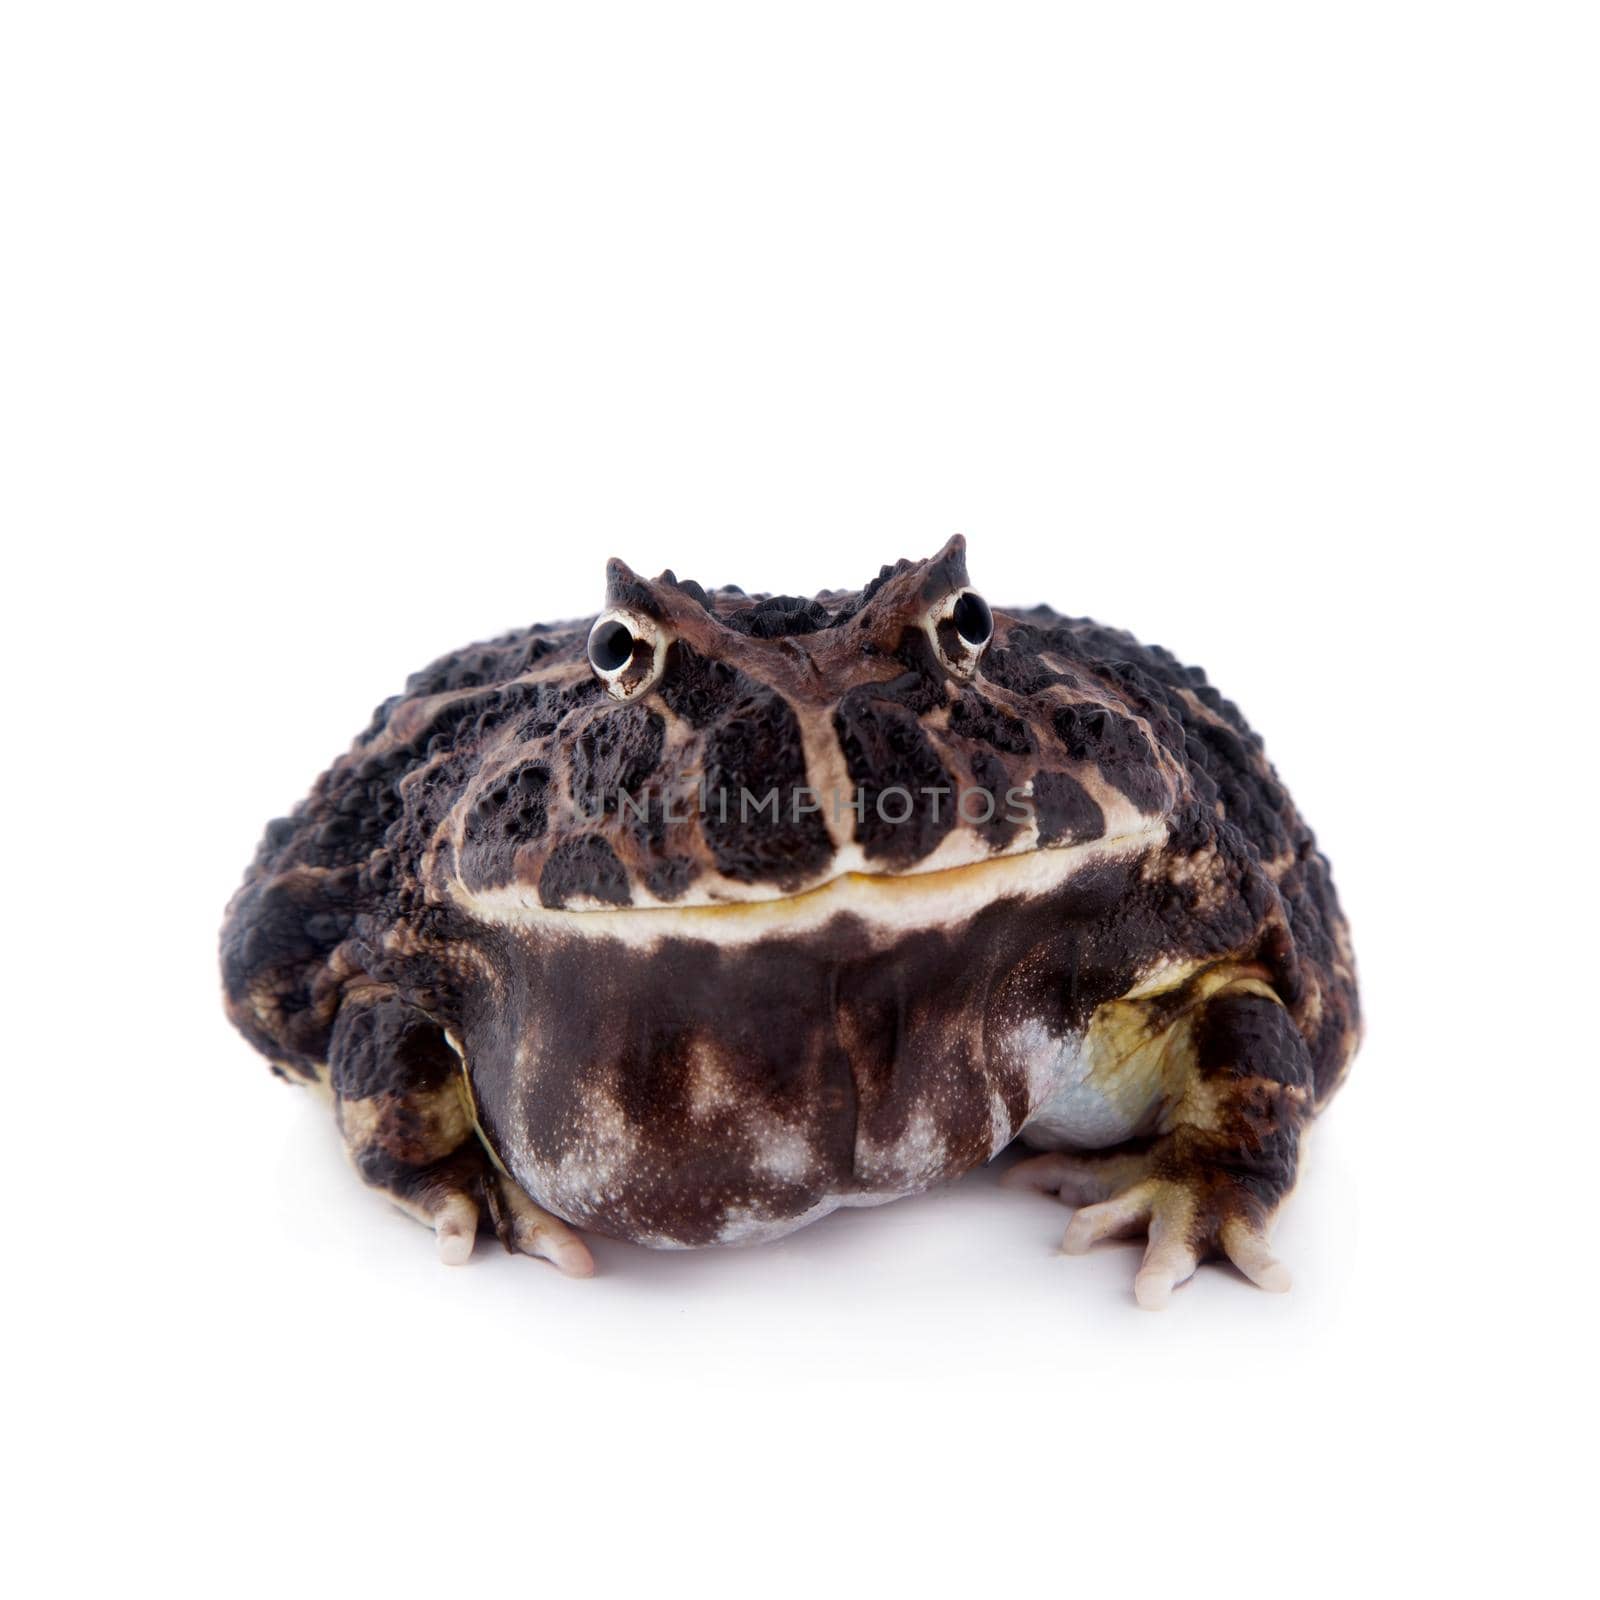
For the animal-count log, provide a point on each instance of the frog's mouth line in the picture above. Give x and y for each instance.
(893, 901)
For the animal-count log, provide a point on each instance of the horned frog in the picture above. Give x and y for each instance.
(691, 922)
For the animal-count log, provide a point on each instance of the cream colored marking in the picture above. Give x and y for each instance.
(828, 776)
(437, 1121)
(999, 1123)
(913, 1161)
(895, 901)
(320, 1085)
(784, 1153)
(1276, 866)
(591, 1166)
(264, 1007)
(749, 1225)
(1201, 874)
(708, 1086)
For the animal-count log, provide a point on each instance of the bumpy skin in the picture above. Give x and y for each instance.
(552, 982)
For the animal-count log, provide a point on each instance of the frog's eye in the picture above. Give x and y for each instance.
(961, 626)
(626, 651)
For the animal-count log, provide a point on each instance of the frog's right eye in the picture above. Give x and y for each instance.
(610, 646)
(625, 650)
(961, 628)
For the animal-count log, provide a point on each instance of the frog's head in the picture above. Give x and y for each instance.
(691, 747)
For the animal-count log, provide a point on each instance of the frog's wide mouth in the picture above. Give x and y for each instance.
(893, 900)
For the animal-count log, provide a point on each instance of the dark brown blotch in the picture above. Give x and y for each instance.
(1065, 811)
(758, 752)
(907, 798)
(614, 754)
(512, 813)
(584, 868)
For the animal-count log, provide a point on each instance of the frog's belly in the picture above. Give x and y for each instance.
(1080, 1107)
(704, 1096)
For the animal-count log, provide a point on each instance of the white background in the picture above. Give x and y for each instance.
(336, 336)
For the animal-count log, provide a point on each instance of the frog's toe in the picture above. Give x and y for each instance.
(1159, 1210)
(454, 1216)
(525, 1227)
(1170, 1258)
(1244, 1242)
(456, 1205)
(1128, 1213)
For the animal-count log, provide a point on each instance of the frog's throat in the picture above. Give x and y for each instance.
(894, 901)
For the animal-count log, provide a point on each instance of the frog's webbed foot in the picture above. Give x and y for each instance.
(1209, 1183)
(408, 1129)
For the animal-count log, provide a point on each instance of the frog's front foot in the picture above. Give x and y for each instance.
(1211, 1179)
(462, 1194)
(1185, 1218)
(407, 1123)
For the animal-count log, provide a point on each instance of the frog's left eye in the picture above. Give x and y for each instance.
(961, 626)
(626, 652)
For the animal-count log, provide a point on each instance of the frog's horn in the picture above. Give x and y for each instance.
(946, 572)
(908, 588)
(624, 587)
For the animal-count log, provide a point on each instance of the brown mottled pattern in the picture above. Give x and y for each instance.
(676, 1094)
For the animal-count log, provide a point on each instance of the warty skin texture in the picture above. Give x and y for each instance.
(552, 984)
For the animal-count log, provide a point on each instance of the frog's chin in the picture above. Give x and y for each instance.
(928, 897)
